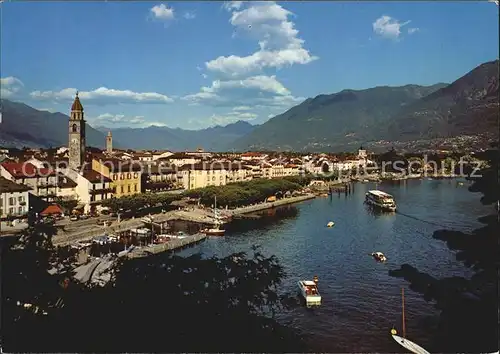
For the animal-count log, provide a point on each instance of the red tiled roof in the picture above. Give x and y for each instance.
(251, 154)
(27, 170)
(52, 209)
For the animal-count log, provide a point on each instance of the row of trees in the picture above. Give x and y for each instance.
(141, 201)
(232, 195)
(243, 193)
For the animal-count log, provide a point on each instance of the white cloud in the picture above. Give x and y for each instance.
(231, 117)
(9, 86)
(189, 15)
(241, 108)
(260, 83)
(162, 12)
(108, 118)
(413, 30)
(268, 24)
(263, 90)
(120, 120)
(50, 110)
(388, 27)
(233, 5)
(103, 95)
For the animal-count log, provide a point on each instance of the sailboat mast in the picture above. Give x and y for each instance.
(403, 306)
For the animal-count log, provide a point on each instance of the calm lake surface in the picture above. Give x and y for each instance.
(361, 302)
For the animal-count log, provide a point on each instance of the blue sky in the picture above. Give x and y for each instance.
(198, 64)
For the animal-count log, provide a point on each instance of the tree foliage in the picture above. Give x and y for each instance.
(469, 307)
(66, 204)
(242, 193)
(154, 304)
(140, 201)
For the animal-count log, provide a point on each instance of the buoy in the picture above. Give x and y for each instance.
(394, 332)
(330, 224)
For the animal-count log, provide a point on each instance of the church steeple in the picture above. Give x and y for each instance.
(76, 138)
(109, 143)
(77, 108)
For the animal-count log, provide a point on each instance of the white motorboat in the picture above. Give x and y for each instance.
(330, 224)
(380, 200)
(309, 291)
(379, 256)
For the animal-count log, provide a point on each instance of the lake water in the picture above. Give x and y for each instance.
(360, 301)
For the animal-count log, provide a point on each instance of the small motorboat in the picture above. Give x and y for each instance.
(309, 290)
(379, 256)
(330, 224)
(214, 231)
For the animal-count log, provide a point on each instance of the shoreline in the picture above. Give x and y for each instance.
(196, 215)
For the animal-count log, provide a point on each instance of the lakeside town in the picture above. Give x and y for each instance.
(112, 202)
(78, 182)
(254, 177)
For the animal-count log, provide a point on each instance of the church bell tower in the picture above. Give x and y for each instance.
(109, 143)
(76, 141)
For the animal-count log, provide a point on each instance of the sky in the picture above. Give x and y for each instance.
(199, 64)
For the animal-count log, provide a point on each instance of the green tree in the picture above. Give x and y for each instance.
(154, 304)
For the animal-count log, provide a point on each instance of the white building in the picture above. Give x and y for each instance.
(212, 174)
(14, 198)
(161, 155)
(42, 181)
(92, 188)
(181, 159)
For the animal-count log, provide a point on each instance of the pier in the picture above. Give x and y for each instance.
(269, 205)
(170, 246)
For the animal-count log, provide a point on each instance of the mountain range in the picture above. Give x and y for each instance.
(333, 122)
(218, 138)
(342, 120)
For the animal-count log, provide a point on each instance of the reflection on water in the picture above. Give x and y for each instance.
(360, 299)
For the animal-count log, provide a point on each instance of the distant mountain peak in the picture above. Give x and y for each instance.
(338, 121)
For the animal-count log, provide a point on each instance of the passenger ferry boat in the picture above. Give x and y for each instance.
(381, 200)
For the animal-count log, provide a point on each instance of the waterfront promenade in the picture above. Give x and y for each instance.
(195, 214)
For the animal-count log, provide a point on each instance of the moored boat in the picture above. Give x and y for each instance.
(379, 256)
(380, 200)
(216, 230)
(403, 341)
(309, 290)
